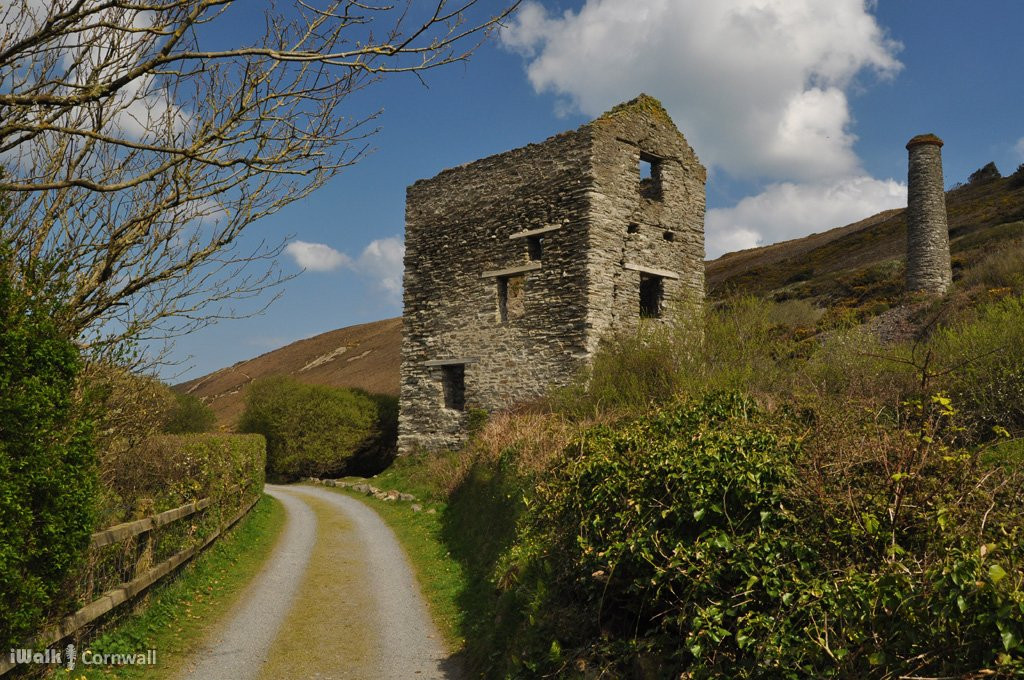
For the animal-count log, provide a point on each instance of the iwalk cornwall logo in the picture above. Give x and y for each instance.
(69, 658)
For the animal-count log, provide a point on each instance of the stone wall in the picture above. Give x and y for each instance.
(928, 260)
(517, 264)
(633, 227)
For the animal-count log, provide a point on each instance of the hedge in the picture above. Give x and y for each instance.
(314, 430)
(47, 463)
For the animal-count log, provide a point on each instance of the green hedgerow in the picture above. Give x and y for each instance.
(47, 467)
(189, 414)
(311, 430)
(689, 543)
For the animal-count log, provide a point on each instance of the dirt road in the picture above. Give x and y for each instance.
(336, 599)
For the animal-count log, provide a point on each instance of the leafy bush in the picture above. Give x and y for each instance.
(1001, 268)
(190, 414)
(704, 541)
(312, 430)
(47, 467)
(169, 470)
(744, 343)
(986, 374)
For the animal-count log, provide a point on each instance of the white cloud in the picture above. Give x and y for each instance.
(1019, 148)
(381, 261)
(758, 86)
(317, 257)
(787, 210)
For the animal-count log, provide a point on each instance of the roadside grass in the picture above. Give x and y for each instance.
(182, 612)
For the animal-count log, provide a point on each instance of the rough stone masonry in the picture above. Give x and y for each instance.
(928, 262)
(518, 264)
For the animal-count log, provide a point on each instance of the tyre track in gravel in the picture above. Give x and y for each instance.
(336, 599)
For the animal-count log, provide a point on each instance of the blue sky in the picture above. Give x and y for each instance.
(799, 108)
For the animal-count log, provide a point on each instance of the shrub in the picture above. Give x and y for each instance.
(1001, 268)
(173, 469)
(704, 541)
(311, 430)
(47, 467)
(189, 414)
(986, 366)
(744, 343)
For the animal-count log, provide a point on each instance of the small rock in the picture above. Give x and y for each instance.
(329, 482)
(416, 507)
(393, 495)
(374, 489)
(406, 497)
(432, 511)
(362, 488)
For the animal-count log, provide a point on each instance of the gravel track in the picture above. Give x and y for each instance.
(336, 599)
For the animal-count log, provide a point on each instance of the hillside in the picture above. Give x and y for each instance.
(863, 262)
(364, 356)
(858, 266)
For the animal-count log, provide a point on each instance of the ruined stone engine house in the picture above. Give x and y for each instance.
(518, 264)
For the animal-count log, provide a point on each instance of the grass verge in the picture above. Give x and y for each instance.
(182, 612)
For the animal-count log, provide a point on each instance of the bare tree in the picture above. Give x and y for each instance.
(137, 143)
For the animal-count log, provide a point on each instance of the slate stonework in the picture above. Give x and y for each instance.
(516, 265)
(928, 261)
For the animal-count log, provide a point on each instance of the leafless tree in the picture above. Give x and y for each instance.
(137, 142)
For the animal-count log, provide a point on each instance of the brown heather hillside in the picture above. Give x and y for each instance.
(858, 267)
(862, 263)
(364, 356)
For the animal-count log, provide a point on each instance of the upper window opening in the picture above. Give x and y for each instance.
(669, 235)
(645, 169)
(453, 382)
(650, 176)
(633, 228)
(652, 293)
(535, 248)
(511, 297)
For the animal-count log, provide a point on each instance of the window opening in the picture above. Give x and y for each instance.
(453, 382)
(535, 248)
(633, 228)
(650, 176)
(669, 236)
(652, 292)
(645, 169)
(511, 297)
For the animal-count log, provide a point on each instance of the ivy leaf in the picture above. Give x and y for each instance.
(996, 573)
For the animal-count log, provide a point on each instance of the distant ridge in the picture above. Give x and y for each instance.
(366, 356)
(858, 266)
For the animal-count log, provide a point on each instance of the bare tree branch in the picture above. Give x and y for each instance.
(137, 144)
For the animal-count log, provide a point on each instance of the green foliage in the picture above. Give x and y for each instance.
(744, 343)
(1003, 267)
(313, 430)
(190, 414)
(47, 467)
(171, 470)
(690, 542)
(986, 375)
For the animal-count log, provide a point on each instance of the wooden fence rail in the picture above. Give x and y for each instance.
(126, 591)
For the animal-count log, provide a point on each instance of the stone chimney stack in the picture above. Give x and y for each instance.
(928, 266)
